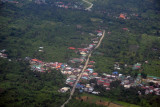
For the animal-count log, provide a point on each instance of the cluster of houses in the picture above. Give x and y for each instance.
(123, 15)
(88, 73)
(136, 66)
(64, 5)
(40, 66)
(75, 5)
(104, 80)
(72, 73)
(10, 1)
(154, 87)
(2, 54)
(126, 81)
(16, 2)
(40, 1)
(83, 52)
(150, 90)
(41, 49)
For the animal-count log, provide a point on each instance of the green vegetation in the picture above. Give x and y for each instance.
(26, 26)
(93, 99)
(23, 30)
(20, 86)
(139, 42)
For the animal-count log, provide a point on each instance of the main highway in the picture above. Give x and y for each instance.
(85, 66)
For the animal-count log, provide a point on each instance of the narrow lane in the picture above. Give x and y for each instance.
(91, 5)
(86, 63)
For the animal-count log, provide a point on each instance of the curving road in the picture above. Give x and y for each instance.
(91, 5)
(86, 63)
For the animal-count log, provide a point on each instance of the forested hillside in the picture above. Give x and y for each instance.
(132, 36)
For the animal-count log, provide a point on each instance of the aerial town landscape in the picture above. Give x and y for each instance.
(66, 53)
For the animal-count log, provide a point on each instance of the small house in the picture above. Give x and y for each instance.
(95, 92)
(115, 73)
(64, 89)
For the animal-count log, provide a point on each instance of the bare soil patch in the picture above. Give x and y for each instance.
(98, 102)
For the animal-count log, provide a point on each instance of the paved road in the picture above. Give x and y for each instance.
(86, 63)
(91, 5)
(100, 40)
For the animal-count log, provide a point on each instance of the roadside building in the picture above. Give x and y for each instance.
(64, 89)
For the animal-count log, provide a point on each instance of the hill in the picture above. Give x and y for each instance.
(45, 29)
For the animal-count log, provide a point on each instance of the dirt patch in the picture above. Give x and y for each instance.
(85, 98)
(104, 103)
(98, 102)
(108, 104)
(114, 105)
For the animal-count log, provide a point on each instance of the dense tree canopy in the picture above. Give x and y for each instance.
(26, 26)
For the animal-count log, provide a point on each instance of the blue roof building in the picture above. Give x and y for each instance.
(79, 85)
(115, 73)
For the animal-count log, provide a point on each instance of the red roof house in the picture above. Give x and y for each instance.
(106, 84)
(122, 16)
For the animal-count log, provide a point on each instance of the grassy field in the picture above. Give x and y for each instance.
(104, 101)
(95, 19)
(91, 0)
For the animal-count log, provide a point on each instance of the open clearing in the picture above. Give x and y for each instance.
(103, 101)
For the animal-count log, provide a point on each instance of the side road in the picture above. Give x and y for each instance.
(91, 5)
